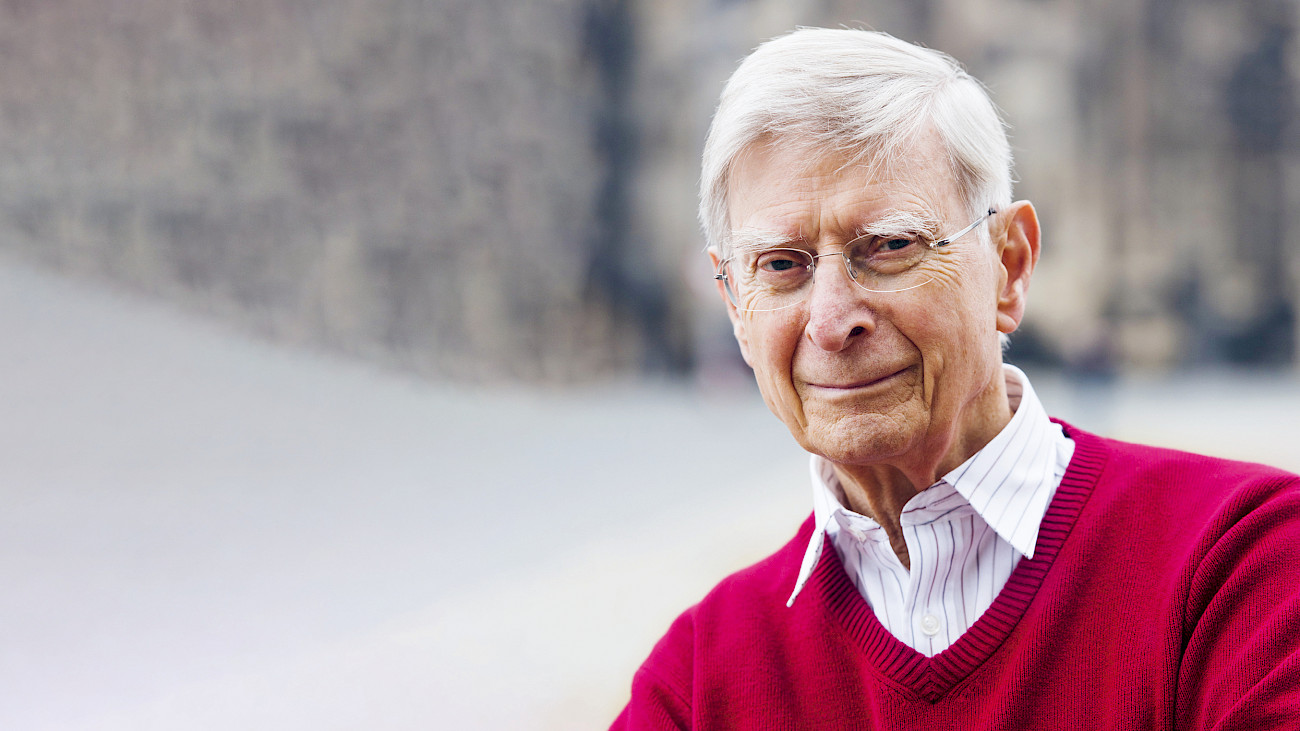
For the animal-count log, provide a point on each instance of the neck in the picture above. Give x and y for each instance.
(881, 490)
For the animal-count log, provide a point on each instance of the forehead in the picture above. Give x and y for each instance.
(785, 190)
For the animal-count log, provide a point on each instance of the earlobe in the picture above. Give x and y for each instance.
(1018, 248)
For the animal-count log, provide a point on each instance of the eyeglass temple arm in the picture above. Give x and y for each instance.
(964, 231)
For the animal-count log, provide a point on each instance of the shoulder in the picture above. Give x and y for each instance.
(1192, 518)
(756, 589)
(731, 609)
(1148, 457)
(1161, 478)
(728, 616)
(768, 581)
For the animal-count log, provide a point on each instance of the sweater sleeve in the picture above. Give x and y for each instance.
(661, 688)
(1241, 665)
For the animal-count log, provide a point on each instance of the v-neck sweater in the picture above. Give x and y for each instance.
(1164, 593)
(965, 533)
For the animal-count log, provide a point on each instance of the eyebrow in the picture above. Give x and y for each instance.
(758, 239)
(898, 222)
(893, 223)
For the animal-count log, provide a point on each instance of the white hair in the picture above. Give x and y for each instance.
(859, 94)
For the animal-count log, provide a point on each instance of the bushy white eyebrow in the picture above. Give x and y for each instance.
(757, 239)
(902, 223)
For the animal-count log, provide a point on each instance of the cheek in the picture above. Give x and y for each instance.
(959, 346)
(772, 340)
(942, 329)
(965, 302)
(772, 344)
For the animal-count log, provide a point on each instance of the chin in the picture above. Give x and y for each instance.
(859, 438)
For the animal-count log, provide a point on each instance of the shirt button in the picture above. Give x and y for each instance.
(930, 625)
(857, 534)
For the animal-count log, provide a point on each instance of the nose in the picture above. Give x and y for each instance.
(838, 309)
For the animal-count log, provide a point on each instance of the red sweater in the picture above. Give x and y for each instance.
(1164, 593)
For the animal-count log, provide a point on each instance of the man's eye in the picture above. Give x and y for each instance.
(871, 247)
(780, 261)
(886, 254)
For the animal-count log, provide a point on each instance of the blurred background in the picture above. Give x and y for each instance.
(362, 368)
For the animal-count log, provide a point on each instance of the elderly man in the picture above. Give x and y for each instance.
(969, 562)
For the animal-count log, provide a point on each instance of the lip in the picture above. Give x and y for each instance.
(867, 383)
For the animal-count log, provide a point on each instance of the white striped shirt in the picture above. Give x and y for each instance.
(965, 534)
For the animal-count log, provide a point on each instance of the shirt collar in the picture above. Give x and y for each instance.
(1008, 482)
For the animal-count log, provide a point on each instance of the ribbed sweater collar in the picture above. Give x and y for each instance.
(932, 678)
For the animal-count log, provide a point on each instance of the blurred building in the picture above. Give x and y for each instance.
(498, 190)
(1156, 138)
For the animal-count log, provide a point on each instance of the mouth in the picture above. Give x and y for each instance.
(857, 385)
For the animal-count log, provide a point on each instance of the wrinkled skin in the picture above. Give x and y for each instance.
(895, 389)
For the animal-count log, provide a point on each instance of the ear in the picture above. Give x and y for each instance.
(737, 325)
(1018, 247)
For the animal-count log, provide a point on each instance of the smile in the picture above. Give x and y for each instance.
(858, 385)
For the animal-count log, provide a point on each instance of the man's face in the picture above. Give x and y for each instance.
(865, 377)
